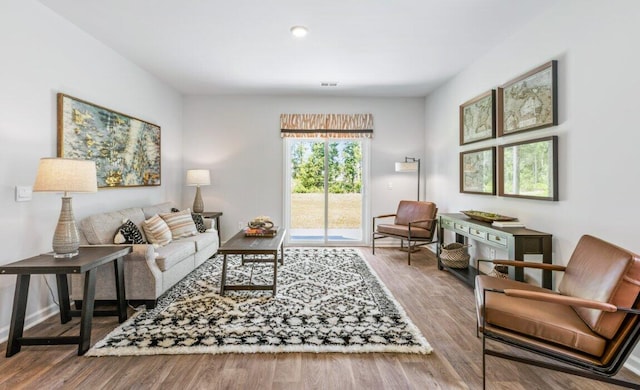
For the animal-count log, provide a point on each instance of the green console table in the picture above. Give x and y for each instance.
(516, 241)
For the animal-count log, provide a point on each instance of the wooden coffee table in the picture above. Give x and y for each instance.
(241, 245)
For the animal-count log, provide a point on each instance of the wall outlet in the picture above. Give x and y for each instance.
(389, 185)
(492, 254)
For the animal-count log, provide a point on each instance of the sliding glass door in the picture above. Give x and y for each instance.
(326, 179)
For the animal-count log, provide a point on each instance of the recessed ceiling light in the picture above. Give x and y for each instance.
(328, 83)
(299, 31)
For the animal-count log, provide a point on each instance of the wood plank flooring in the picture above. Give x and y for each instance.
(438, 303)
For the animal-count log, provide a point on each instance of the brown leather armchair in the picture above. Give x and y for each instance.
(590, 326)
(414, 222)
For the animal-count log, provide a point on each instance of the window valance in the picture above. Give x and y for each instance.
(326, 125)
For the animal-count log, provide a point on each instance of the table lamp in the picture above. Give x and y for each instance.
(66, 175)
(198, 177)
(410, 164)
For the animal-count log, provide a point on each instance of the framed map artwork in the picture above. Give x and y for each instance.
(478, 119)
(477, 171)
(530, 101)
(126, 150)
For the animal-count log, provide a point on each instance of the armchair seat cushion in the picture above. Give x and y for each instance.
(551, 322)
(403, 230)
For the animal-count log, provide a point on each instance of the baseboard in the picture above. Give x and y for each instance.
(32, 320)
(633, 364)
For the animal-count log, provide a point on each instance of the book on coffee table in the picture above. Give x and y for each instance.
(251, 232)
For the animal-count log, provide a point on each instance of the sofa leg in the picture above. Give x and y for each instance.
(150, 303)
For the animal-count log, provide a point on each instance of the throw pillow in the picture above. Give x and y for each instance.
(128, 233)
(157, 230)
(199, 221)
(181, 224)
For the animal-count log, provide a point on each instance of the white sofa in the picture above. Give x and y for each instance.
(149, 271)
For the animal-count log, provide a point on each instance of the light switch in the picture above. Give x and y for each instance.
(389, 185)
(23, 193)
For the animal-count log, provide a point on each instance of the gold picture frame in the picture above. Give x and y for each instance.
(126, 150)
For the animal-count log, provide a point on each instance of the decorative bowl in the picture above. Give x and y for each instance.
(486, 217)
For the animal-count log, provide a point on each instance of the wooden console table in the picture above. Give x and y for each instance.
(517, 241)
(86, 262)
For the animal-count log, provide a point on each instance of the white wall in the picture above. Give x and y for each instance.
(599, 81)
(43, 54)
(238, 139)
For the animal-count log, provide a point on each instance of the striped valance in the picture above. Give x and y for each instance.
(326, 125)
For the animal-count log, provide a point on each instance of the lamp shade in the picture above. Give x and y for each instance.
(66, 175)
(406, 167)
(198, 177)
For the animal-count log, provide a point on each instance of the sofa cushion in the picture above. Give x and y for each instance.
(202, 240)
(128, 233)
(157, 230)
(174, 253)
(180, 223)
(615, 281)
(543, 320)
(99, 229)
(161, 208)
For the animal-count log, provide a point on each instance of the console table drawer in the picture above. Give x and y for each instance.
(463, 228)
(478, 233)
(497, 239)
(446, 224)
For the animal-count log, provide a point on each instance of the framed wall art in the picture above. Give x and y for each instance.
(530, 101)
(478, 118)
(529, 169)
(477, 171)
(126, 150)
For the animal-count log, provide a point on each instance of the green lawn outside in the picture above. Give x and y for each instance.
(307, 211)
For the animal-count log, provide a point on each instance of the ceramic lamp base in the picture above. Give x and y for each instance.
(198, 204)
(66, 239)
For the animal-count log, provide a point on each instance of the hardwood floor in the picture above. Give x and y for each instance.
(439, 304)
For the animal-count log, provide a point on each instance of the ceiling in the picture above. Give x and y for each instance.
(386, 48)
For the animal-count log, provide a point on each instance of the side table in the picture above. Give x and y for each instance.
(87, 262)
(214, 215)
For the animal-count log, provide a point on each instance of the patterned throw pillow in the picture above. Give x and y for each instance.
(157, 230)
(199, 221)
(128, 233)
(181, 224)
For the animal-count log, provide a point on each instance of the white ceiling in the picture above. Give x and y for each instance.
(370, 47)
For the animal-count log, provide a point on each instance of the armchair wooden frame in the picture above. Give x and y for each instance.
(417, 241)
(628, 335)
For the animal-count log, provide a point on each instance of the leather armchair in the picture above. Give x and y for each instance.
(590, 325)
(414, 221)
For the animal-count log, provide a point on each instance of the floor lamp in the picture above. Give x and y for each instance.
(410, 164)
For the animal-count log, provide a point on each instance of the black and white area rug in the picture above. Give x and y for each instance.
(328, 300)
